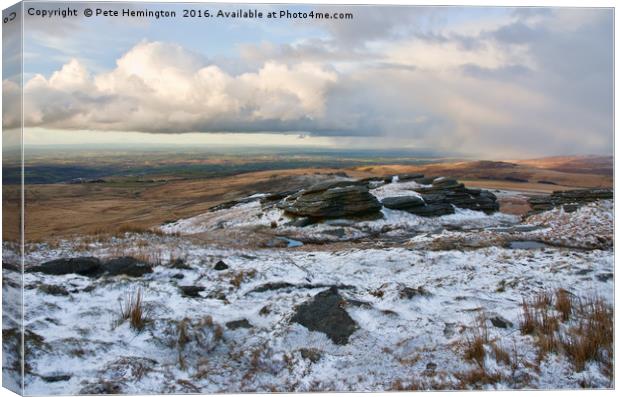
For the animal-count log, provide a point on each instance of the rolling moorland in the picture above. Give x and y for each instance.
(274, 273)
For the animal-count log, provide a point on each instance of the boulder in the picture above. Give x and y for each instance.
(431, 210)
(500, 322)
(443, 182)
(446, 193)
(126, 265)
(94, 267)
(300, 222)
(324, 313)
(333, 183)
(84, 266)
(220, 265)
(275, 197)
(191, 290)
(56, 378)
(236, 324)
(409, 177)
(333, 199)
(569, 200)
(403, 203)
(11, 266)
(57, 290)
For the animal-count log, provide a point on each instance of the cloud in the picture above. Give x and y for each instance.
(160, 87)
(524, 83)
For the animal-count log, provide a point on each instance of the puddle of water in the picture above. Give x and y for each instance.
(527, 245)
(290, 242)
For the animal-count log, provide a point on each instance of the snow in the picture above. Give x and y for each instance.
(244, 215)
(251, 215)
(396, 190)
(397, 337)
(584, 228)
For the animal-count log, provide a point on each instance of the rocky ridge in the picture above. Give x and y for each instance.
(569, 200)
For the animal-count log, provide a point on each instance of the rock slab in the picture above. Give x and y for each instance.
(570, 200)
(324, 313)
(94, 267)
(332, 199)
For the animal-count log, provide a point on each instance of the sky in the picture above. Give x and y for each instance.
(481, 81)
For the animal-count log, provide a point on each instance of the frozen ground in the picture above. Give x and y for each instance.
(415, 301)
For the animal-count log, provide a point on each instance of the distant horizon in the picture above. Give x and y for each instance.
(136, 141)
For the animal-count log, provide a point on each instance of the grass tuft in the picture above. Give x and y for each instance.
(580, 329)
(132, 309)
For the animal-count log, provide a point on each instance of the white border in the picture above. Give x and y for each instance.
(539, 3)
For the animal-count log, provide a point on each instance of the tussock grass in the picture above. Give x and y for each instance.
(477, 346)
(132, 309)
(563, 304)
(239, 277)
(591, 338)
(581, 329)
(474, 344)
(189, 335)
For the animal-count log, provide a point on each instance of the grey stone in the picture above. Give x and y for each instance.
(84, 266)
(336, 199)
(191, 291)
(128, 266)
(236, 324)
(402, 202)
(220, 265)
(324, 313)
(570, 200)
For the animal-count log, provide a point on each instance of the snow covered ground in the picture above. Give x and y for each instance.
(415, 303)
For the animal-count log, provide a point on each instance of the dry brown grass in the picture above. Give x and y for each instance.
(591, 339)
(500, 354)
(587, 333)
(239, 277)
(132, 309)
(475, 351)
(187, 330)
(477, 378)
(474, 343)
(539, 320)
(563, 304)
(52, 214)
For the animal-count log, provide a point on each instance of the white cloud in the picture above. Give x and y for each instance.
(160, 87)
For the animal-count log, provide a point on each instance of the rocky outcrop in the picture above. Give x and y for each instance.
(409, 177)
(126, 265)
(569, 200)
(324, 313)
(449, 191)
(332, 199)
(441, 197)
(84, 266)
(403, 203)
(94, 267)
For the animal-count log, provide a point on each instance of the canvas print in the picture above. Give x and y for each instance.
(223, 198)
